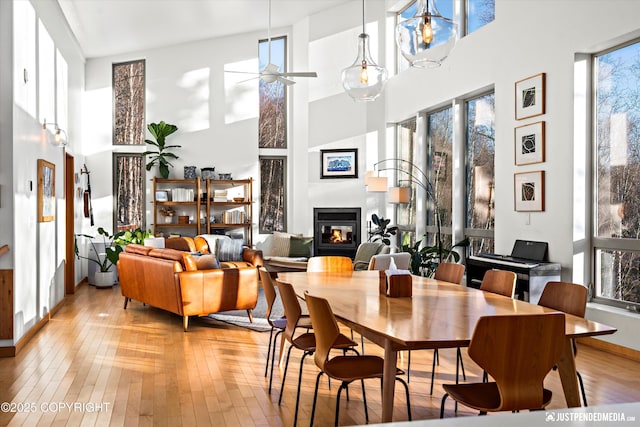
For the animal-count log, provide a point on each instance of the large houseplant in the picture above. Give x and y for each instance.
(161, 154)
(105, 260)
(382, 232)
(425, 258)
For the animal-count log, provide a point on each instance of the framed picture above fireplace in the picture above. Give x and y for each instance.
(339, 163)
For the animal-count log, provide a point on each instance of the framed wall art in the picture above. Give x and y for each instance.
(529, 191)
(339, 163)
(529, 143)
(530, 96)
(46, 191)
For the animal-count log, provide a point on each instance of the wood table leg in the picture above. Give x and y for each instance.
(568, 376)
(388, 381)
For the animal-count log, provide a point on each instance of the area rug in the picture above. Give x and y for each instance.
(240, 317)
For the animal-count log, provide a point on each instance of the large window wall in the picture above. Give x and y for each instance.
(616, 147)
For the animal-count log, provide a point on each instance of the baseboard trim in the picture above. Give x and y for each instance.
(8, 351)
(612, 348)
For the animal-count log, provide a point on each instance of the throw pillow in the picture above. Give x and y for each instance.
(207, 262)
(229, 249)
(300, 246)
(280, 245)
(212, 241)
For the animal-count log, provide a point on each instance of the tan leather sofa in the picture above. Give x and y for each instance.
(250, 257)
(169, 279)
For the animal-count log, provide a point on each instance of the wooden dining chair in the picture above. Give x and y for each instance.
(452, 273)
(518, 351)
(499, 282)
(345, 369)
(306, 342)
(569, 298)
(329, 264)
(278, 324)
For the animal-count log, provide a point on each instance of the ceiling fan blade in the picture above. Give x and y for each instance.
(242, 72)
(285, 81)
(300, 74)
(270, 68)
(248, 80)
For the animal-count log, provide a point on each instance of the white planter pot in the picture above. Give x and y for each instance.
(104, 280)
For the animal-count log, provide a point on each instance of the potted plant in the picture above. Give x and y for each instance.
(105, 276)
(425, 259)
(137, 236)
(160, 156)
(382, 231)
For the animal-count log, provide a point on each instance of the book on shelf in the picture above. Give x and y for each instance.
(182, 195)
(233, 217)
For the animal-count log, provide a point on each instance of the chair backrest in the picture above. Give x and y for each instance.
(564, 296)
(381, 262)
(269, 290)
(499, 282)
(329, 264)
(368, 249)
(325, 328)
(292, 310)
(518, 351)
(449, 272)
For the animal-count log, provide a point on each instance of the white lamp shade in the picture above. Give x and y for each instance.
(399, 195)
(377, 184)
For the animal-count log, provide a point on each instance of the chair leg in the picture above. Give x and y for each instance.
(584, 395)
(266, 368)
(442, 404)
(409, 366)
(406, 389)
(284, 375)
(295, 416)
(338, 404)
(433, 369)
(273, 357)
(459, 359)
(315, 398)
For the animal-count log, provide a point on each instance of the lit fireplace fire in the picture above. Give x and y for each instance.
(336, 236)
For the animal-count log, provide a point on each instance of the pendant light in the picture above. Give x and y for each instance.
(427, 38)
(364, 79)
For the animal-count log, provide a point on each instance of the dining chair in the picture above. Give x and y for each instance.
(345, 369)
(329, 264)
(365, 251)
(278, 324)
(500, 282)
(518, 351)
(382, 261)
(306, 342)
(452, 273)
(569, 298)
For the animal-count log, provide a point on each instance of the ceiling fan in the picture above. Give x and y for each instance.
(270, 73)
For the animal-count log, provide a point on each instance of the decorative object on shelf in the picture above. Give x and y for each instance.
(238, 199)
(190, 172)
(168, 213)
(183, 219)
(59, 135)
(529, 143)
(339, 163)
(160, 156)
(105, 277)
(424, 258)
(46, 191)
(208, 173)
(364, 80)
(224, 176)
(427, 38)
(530, 97)
(529, 191)
(162, 196)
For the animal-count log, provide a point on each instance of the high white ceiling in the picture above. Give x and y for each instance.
(109, 27)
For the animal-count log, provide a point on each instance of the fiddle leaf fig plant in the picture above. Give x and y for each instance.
(161, 154)
(111, 249)
(382, 232)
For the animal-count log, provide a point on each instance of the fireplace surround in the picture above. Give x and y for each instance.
(336, 231)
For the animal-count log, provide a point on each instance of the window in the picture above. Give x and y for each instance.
(273, 172)
(616, 209)
(128, 103)
(128, 191)
(480, 134)
(406, 213)
(479, 14)
(439, 143)
(272, 128)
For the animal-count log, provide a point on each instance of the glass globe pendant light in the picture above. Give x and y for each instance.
(426, 39)
(364, 79)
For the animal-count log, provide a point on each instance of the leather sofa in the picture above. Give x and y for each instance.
(201, 244)
(170, 279)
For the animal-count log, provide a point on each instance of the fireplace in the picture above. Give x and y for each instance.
(336, 231)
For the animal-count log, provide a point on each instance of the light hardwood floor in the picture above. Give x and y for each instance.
(144, 370)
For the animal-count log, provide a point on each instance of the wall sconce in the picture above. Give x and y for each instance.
(59, 135)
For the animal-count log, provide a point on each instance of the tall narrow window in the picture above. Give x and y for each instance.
(479, 14)
(440, 142)
(272, 123)
(128, 103)
(616, 208)
(128, 191)
(406, 214)
(480, 118)
(273, 171)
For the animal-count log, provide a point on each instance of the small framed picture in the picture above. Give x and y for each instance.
(340, 163)
(162, 196)
(529, 143)
(46, 191)
(529, 191)
(530, 96)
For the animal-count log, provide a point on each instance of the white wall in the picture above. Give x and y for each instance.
(527, 37)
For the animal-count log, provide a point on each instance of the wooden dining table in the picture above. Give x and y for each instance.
(437, 315)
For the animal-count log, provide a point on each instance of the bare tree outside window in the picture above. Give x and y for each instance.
(128, 191)
(406, 213)
(272, 123)
(273, 171)
(128, 103)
